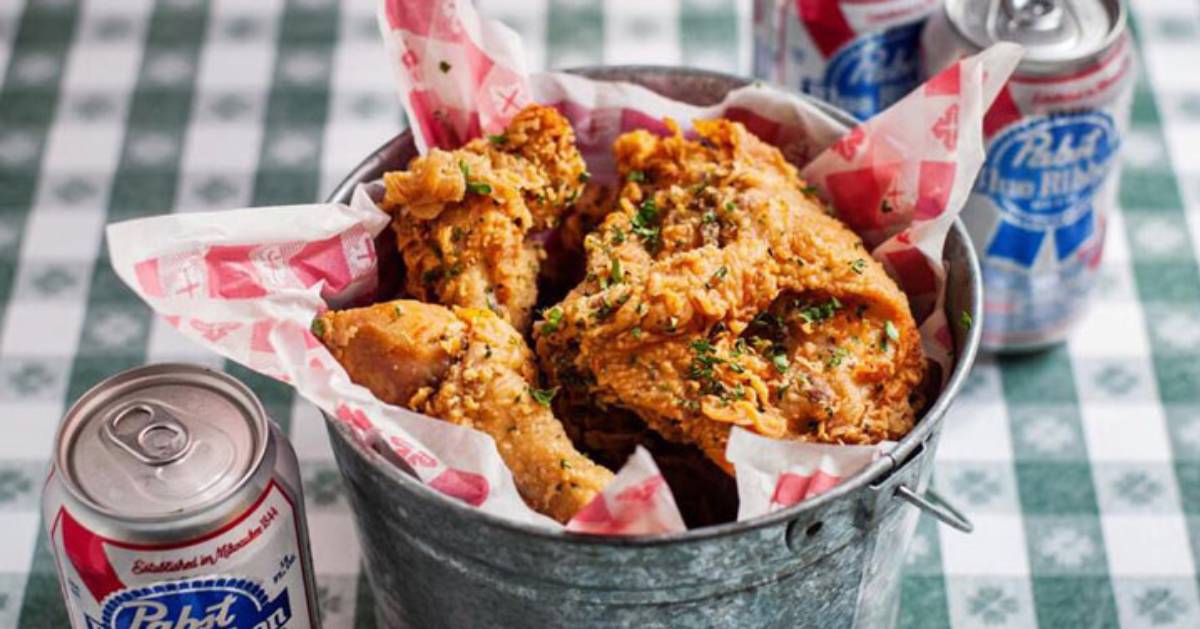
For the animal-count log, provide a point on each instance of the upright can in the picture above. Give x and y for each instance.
(860, 55)
(173, 502)
(1038, 211)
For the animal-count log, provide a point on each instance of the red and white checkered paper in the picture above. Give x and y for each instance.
(247, 283)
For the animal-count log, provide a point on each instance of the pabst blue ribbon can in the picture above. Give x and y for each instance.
(174, 503)
(860, 55)
(1038, 211)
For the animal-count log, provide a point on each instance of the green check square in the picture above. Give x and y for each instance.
(1152, 189)
(1075, 602)
(1056, 488)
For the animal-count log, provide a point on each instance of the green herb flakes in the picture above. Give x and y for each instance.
(615, 274)
(553, 317)
(781, 362)
(543, 396)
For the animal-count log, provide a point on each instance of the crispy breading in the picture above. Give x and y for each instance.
(463, 219)
(468, 367)
(720, 293)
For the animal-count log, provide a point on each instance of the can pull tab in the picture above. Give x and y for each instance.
(1034, 15)
(149, 432)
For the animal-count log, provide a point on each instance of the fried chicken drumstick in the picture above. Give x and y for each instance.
(463, 218)
(468, 367)
(720, 293)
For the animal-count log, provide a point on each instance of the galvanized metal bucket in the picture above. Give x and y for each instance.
(833, 561)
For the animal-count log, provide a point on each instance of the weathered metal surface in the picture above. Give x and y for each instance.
(830, 562)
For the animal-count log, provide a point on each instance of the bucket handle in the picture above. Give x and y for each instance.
(936, 506)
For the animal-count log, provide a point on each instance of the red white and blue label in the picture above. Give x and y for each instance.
(872, 71)
(209, 602)
(248, 574)
(1043, 175)
(1037, 218)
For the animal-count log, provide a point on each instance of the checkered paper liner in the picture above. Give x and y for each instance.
(247, 283)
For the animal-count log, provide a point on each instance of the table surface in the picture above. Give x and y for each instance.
(1080, 467)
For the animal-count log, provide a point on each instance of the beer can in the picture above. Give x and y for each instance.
(1038, 210)
(860, 55)
(174, 503)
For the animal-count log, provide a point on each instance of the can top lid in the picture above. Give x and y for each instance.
(1053, 32)
(161, 440)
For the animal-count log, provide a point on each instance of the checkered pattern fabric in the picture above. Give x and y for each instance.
(1080, 467)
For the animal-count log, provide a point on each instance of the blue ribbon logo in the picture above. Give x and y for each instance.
(1043, 175)
(875, 70)
(200, 603)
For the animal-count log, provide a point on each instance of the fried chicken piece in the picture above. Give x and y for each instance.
(463, 219)
(468, 367)
(719, 293)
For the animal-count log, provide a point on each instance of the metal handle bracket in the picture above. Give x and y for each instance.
(936, 506)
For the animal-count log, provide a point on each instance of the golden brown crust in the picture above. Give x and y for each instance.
(463, 218)
(468, 367)
(719, 293)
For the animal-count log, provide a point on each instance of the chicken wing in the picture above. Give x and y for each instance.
(468, 367)
(463, 219)
(719, 292)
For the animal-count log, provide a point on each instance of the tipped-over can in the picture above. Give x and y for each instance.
(174, 502)
(1038, 211)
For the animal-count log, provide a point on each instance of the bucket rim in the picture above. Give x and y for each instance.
(875, 471)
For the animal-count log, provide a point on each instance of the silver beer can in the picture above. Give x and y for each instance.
(174, 502)
(860, 55)
(1038, 211)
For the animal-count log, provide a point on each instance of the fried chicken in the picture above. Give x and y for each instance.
(719, 292)
(468, 367)
(464, 219)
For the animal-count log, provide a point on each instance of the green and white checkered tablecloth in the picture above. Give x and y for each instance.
(1080, 467)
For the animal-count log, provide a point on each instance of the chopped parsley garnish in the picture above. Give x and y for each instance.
(498, 140)
(618, 236)
(636, 176)
(809, 190)
(476, 187)
(636, 332)
(964, 319)
(739, 347)
(781, 362)
(553, 317)
(543, 396)
(318, 328)
(816, 313)
(615, 274)
(858, 266)
(717, 276)
(444, 66)
(708, 218)
(563, 463)
(836, 356)
(890, 332)
(645, 224)
(730, 206)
